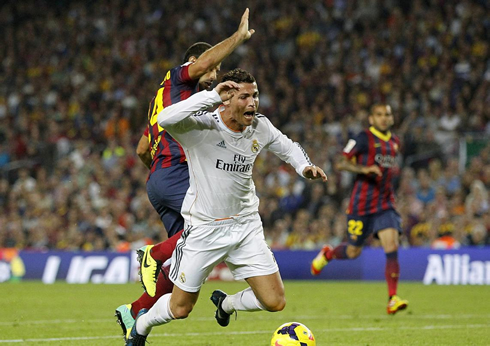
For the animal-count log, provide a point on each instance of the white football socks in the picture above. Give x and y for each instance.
(242, 301)
(158, 314)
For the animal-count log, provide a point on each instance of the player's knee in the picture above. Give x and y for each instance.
(353, 251)
(182, 311)
(275, 304)
(391, 247)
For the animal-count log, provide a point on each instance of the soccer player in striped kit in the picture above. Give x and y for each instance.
(372, 155)
(168, 179)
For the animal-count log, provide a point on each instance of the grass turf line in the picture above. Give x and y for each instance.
(338, 313)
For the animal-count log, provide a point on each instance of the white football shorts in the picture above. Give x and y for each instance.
(239, 242)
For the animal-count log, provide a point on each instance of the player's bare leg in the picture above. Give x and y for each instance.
(175, 305)
(182, 303)
(327, 253)
(389, 240)
(353, 251)
(269, 290)
(265, 293)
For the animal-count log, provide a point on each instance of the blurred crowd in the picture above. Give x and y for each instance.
(76, 78)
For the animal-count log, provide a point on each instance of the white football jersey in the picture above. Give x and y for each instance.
(220, 159)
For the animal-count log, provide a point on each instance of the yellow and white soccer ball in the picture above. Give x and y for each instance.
(293, 334)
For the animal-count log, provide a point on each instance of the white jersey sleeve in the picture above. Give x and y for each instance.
(183, 116)
(287, 150)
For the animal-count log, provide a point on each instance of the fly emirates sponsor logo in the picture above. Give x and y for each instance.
(238, 165)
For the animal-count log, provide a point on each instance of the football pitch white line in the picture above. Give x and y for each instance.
(368, 329)
(246, 318)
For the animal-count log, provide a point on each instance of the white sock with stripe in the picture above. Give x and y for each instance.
(158, 314)
(242, 301)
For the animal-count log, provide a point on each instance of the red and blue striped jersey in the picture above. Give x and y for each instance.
(177, 86)
(372, 194)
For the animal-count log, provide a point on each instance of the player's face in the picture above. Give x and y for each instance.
(244, 105)
(207, 80)
(381, 118)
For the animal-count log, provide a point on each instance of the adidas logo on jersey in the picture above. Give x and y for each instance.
(221, 144)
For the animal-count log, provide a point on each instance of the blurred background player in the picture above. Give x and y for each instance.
(168, 179)
(372, 155)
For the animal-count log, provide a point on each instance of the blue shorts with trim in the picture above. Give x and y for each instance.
(360, 227)
(166, 190)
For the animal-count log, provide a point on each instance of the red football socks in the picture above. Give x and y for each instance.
(163, 250)
(340, 252)
(392, 272)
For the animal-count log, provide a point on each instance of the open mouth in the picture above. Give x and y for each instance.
(249, 114)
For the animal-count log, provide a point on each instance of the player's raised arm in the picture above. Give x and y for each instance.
(219, 52)
(179, 111)
(182, 110)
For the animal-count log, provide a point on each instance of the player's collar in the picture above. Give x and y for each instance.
(385, 137)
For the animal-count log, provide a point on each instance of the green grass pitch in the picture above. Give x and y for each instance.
(338, 313)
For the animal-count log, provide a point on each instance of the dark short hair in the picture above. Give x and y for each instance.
(376, 105)
(196, 50)
(238, 76)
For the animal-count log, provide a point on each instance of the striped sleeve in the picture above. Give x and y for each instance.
(356, 146)
(183, 76)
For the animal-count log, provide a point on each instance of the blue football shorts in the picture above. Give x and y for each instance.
(166, 191)
(360, 227)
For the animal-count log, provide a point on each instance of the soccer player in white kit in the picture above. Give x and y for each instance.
(221, 208)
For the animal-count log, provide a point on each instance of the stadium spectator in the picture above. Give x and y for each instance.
(476, 202)
(420, 232)
(450, 178)
(445, 241)
(425, 191)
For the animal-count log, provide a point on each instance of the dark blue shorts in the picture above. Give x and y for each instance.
(360, 227)
(166, 191)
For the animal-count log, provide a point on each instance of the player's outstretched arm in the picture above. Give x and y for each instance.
(183, 110)
(346, 165)
(219, 52)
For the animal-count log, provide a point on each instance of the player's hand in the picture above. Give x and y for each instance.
(374, 169)
(227, 89)
(314, 172)
(243, 31)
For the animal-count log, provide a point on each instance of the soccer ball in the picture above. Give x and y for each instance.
(293, 334)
